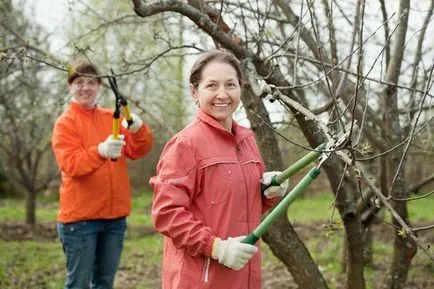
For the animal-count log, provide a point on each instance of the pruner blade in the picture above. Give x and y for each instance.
(114, 85)
(336, 143)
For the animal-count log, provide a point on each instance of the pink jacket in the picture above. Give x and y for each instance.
(207, 186)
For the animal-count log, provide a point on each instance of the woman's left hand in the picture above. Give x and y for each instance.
(274, 191)
(135, 126)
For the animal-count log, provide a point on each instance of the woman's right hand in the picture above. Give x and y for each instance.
(111, 148)
(232, 253)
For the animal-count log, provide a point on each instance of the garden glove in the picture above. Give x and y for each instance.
(232, 253)
(111, 148)
(135, 126)
(273, 191)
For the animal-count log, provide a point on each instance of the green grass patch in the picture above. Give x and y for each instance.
(320, 208)
(141, 210)
(31, 264)
(12, 210)
(309, 209)
(422, 209)
(419, 211)
(41, 264)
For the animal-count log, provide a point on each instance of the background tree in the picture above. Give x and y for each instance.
(27, 109)
(152, 78)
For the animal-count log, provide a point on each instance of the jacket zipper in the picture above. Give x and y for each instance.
(247, 204)
(108, 169)
(206, 270)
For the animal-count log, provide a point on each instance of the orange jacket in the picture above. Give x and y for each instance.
(93, 187)
(207, 186)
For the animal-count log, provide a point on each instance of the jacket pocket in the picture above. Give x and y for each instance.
(219, 178)
(231, 171)
(223, 168)
(253, 168)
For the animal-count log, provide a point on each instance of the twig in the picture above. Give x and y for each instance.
(364, 176)
(412, 199)
(410, 139)
(422, 228)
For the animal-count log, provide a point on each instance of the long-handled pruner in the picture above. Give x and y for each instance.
(323, 151)
(120, 100)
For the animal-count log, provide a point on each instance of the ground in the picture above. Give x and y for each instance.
(140, 266)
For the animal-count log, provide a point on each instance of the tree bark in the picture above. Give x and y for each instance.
(31, 207)
(346, 195)
(281, 237)
(404, 248)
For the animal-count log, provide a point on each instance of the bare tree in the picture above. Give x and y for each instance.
(27, 111)
(304, 49)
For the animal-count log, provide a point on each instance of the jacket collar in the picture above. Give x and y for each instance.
(239, 132)
(81, 109)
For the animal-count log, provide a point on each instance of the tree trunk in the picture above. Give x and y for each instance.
(346, 197)
(287, 246)
(31, 207)
(403, 253)
(281, 237)
(368, 252)
(404, 248)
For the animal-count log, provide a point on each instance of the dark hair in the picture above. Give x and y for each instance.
(214, 56)
(81, 66)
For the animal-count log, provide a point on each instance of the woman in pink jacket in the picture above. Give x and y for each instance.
(207, 188)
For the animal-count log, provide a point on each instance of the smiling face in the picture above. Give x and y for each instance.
(218, 92)
(84, 90)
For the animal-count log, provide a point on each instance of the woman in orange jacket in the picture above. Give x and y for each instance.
(207, 189)
(95, 196)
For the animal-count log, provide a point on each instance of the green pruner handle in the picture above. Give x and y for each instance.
(297, 166)
(282, 206)
(250, 239)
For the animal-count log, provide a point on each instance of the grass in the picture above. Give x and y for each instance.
(12, 210)
(41, 264)
(320, 208)
(310, 209)
(31, 264)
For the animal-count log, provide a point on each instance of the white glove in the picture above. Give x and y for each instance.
(111, 148)
(232, 253)
(273, 191)
(135, 126)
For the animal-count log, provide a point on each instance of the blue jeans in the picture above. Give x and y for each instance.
(93, 250)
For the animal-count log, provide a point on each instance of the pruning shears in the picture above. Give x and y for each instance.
(322, 152)
(120, 100)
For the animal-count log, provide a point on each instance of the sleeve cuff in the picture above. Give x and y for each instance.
(95, 155)
(208, 247)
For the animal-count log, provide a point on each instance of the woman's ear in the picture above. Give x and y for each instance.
(193, 91)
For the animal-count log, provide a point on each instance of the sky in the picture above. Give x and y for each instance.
(51, 14)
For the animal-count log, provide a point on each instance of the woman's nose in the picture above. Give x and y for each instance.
(222, 92)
